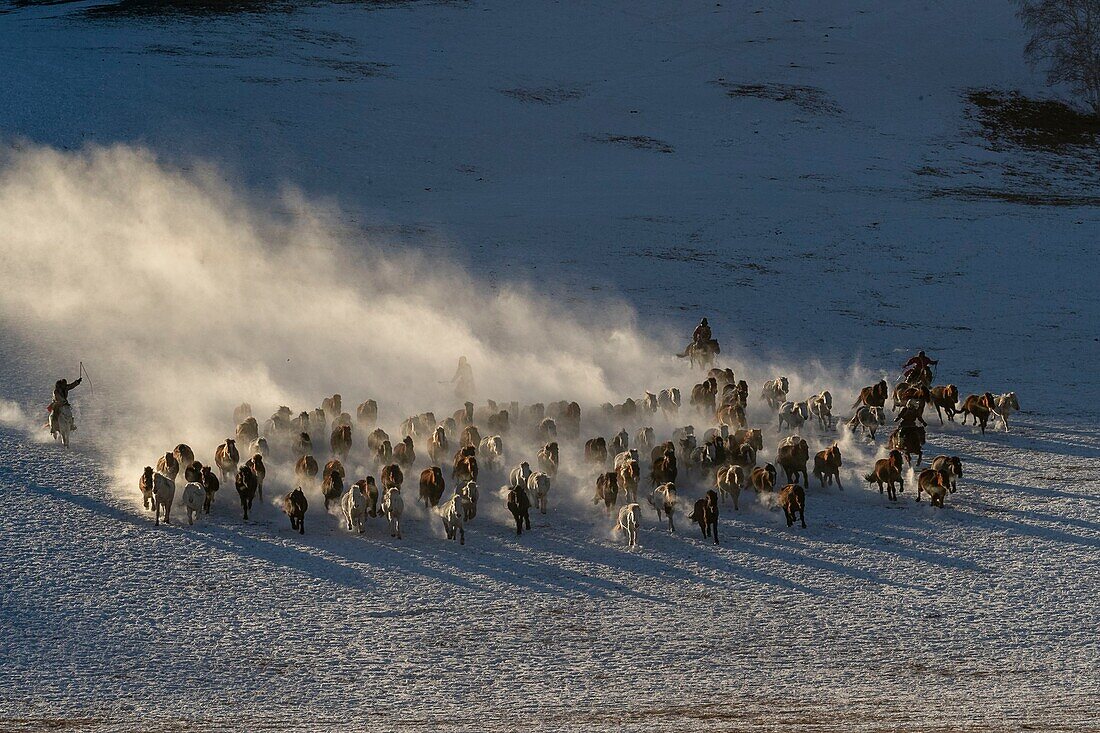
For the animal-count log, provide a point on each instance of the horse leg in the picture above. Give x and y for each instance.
(802, 516)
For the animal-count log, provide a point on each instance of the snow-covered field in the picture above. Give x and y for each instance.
(560, 191)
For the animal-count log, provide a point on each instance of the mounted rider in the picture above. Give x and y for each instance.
(702, 334)
(916, 365)
(703, 348)
(61, 389)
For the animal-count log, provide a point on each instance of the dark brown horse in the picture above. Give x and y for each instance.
(431, 486)
(792, 498)
(246, 488)
(706, 515)
(294, 506)
(519, 505)
(909, 439)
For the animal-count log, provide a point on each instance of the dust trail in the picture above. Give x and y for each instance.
(184, 299)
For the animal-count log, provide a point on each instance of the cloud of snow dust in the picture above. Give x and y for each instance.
(183, 299)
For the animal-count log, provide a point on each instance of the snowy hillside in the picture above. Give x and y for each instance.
(231, 202)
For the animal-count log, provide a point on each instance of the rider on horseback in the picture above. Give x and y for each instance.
(61, 396)
(702, 333)
(917, 364)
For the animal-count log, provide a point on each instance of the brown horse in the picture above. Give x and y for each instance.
(340, 441)
(332, 488)
(367, 414)
(792, 498)
(792, 456)
(248, 431)
(904, 393)
(370, 491)
(762, 478)
(873, 396)
(703, 395)
(184, 455)
(663, 470)
(332, 406)
(334, 465)
(731, 414)
(933, 483)
(438, 445)
(465, 465)
(256, 463)
(404, 454)
(392, 477)
(888, 472)
(595, 451)
(629, 473)
(431, 486)
(305, 468)
(168, 465)
(945, 397)
(827, 466)
(979, 408)
(193, 472)
(607, 490)
(210, 485)
(753, 437)
(226, 458)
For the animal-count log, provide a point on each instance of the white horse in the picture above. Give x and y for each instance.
(663, 499)
(491, 451)
(630, 516)
(519, 475)
(821, 407)
(795, 414)
(393, 506)
(775, 392)
(538, 486)
(868, 418)
(452, 512)
(1003, 406)
(354, 506)
(164, 491)
(626, 455)
(193, 498)
(61, 422)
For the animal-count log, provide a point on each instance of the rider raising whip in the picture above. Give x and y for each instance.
(61, 404)
(917, 364)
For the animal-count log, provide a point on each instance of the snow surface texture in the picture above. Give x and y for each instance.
(606, 174)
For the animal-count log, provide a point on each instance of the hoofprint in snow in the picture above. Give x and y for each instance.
(759, 167)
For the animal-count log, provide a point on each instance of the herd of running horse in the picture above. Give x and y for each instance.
(723, 460)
